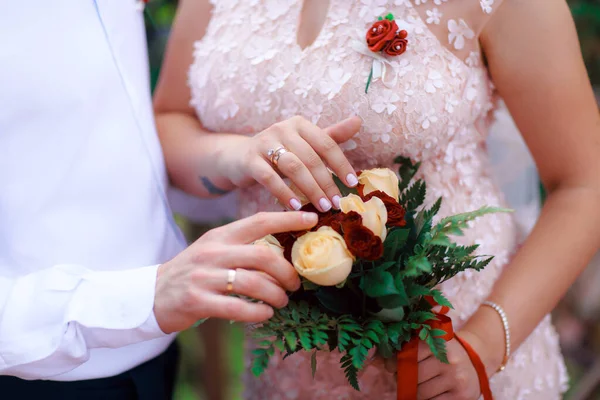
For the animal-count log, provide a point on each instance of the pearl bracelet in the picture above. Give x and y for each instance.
(506, 327)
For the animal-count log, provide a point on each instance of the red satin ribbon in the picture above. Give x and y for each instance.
(408, 360)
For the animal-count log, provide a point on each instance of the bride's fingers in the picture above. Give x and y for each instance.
(327, 148)
(429, 369)
(434, 389)
(344, 130)
(316, 166)
(391, 365)
(292, 166)
(265, 175)
(424, 351)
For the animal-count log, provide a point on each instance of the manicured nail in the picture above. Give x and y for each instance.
(295, 204)
(336, 201)
(352, 180)
(325, 204)
(310, 218)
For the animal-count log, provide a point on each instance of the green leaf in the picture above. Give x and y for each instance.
(395, 240)
(344, 190)
(399, 283)
(304, 338)
(441, 299)
(391, 302)
(422, 316)
(414, 290)
(384, 349)
(414, 196)
(395, 331)
(315, 313)
(313, 363)
(438, 332)
(407, 171)
(421, 263)
(423, 334)
(438, 348)
(373, 336)
(319, 337)
(295, 316)
(379, 283)
(390, 17)
(291, 339)
(308, 285)
(350, 371)
(279, 345)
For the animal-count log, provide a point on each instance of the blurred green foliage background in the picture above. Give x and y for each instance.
(212, 361)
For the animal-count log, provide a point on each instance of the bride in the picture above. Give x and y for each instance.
(265, 74)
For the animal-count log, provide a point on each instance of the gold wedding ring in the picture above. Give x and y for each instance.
(275, 154)
(230, 279)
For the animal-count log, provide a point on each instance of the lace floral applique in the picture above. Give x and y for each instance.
(486, 6)
(385, 101)
(434, 16)
(473, 59)
(458, 32)
(372, 8)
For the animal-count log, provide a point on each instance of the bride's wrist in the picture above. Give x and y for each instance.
(229, 159)
(486, 330)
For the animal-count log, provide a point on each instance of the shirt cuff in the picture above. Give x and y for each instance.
(116, 308)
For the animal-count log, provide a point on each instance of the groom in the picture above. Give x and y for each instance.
(94, 277)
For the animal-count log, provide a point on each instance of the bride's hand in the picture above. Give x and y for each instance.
(310, 151)
(456, 380)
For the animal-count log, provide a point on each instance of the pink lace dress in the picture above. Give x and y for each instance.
(432, 104)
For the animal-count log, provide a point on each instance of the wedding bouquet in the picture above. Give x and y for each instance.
(370, 273)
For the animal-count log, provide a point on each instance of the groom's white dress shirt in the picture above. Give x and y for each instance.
(84, 219)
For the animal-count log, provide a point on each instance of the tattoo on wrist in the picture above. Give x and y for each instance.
(212, 189)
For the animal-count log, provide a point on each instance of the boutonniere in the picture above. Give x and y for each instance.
(383, 40)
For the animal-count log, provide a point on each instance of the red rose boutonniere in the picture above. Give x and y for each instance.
(384, 39)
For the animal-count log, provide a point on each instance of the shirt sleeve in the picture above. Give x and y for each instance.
(59, 314)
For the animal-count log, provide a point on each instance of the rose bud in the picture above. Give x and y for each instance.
(380, 34)
(396, 46)
(380, 179)
(271, 242)
(322, 257)
(373, 213)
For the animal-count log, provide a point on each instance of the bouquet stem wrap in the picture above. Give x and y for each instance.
(408, 360)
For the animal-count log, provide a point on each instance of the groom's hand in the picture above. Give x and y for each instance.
(193, 285)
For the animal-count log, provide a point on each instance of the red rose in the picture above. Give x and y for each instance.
(362, 242)
(397, 45)
(359, 188)
(309, 207)
(286, 240)
(349, 219)
(395, 211)
(333, 220)
(380, 34)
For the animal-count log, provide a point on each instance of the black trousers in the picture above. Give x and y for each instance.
(153, 380)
